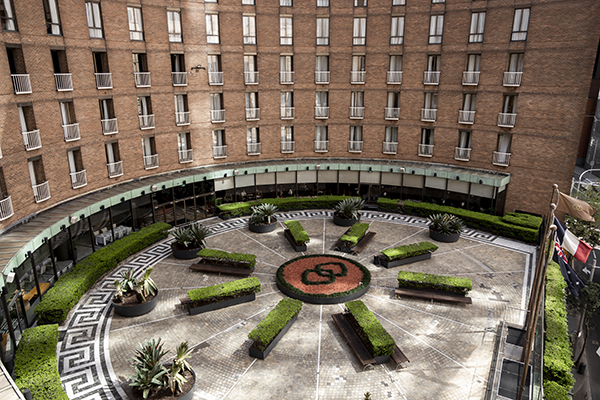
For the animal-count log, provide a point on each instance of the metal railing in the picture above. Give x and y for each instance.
(95, 33)
(212, 39)
(285, 41)
(115, 169)
(466, 117)
(357, 77)
(506, 120)
(287, 112)
(215, 78)
(32, 140)
(146, 121)
(6, 208)
(249, 39)
(394, 77)
(151, 161)
(501, 159)
(425, 150)
(251, 77)
(142, 79)
(359, 40)
(64, 82)
(287, 146)
(41, 192)
(71, 132)
(357, 112)
(179, 78)
(286, 77)
(470, 78)
(78, 179)
(390, 147)
(252, 114)
(322, 77)
(186, 156)
(182, 118)
(21, 83)
(431, 77)
(253, 149)
(462, 153)
(104, 80)
(321, 146)
(355, 146)
(321, 112)
(109, 126)
(175, 38)
(392, 113)
(217, 116)
(512, 79)
(219, 151)
(428, 114)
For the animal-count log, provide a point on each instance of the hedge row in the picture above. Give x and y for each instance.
(557, 347)
(274, 322)
(67, 291)
(409, 250)
(36, 367)
(419, 280)
(526, 220)
(355, 233)
(375, 336)
(246, 285)
(297, 231)
(245, 260)
(283, 204)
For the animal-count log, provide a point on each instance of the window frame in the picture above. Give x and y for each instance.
(520, 24)
(286, 31)
(477, 27)
(8, 15)
(212, 28)
(93, 10)
(397, 30)
(174, 26)
(249, 29)
(436, 28)
(359, 31)
(322, 31)
(137, 23)
(52, 15)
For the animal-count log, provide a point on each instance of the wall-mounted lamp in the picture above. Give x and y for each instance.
(287, 168)
(63, 228)
(412, 172)
(197, 67)
(10, 277)
(102, 206)
(122, 199)
(164, 187)
(205, 178)
(154, 188)
(392, 170)
(266, 169)
(480, 182)
(183, 183)
(246, 172)
(236, 171)
(143, 192)
(349, 168)
(307, 168)
(458, 178)
(225, 175)
(370, 169)
(402, 169)
(328, 168)
(318, 166)
(435, 174)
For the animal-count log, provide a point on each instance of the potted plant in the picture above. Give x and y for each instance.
(347, 211)
(263, 218)
(135, 297)
(445, 227)
(189, 240)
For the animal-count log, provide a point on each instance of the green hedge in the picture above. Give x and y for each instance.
(274, 322)
(245, 260)
(36, 367)
(246, 285)
(410, 250)
(554, 391)
(355, 233)
(557, 347)
(375, 336)
(526, 220)
(67, 291)
(390, 204)
(283, 204)
(419, 280)
(297, 231)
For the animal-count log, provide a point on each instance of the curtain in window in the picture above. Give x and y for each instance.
(251, 100)
(179, 103)
(356, 99)
(436, 25)
(135, 18)
(22, 120)
(322, 63)
(147, 146)
(510, 105)
(426, 136)
(32, 175)
(252, 135)
(213, 63)
(469, 102)
(396, 63)
(321, 99)
(54, 17)
(110, 153)
(521, 20)
(285, 27)
(218, 138)
(287, 99)
(464, 140)
(356, 133)
(516, 62)
(104, 109)
(285, 63)
(174, 22)
(322, 27)
(433, 63)
(473, 62)
(9, 17)
(72, 166)
(320, 133)
(176, 63)
(393, 100)
(391, 134)
(360, 27)
(249, 64)
(182, 141)
(143, 105)
(287, 133)
(212, 25)
(249, 23)
(397, 28)
(215, 102)
(504, 143)
(358, 63)
(65, 115)
(430, 101)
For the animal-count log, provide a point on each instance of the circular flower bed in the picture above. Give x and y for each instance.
(323, 279)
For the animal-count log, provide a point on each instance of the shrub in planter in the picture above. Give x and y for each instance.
(298, 233)
(223, 291)
(263, 214)
(419, 280)
(525, 220)
(446, 224)
(219, 257)
(411, 250)
(378, 340)
(191, 237)
(349, 208)
(274, 322)
(283, 204)
(135, 297)
(356, 232)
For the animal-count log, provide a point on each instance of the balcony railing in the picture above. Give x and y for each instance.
(146, 121)
(394, 77)
(392, 113)
(322, 77)
(252, 114)
(21, 83)
(179, 78)
(151, 161)
(286, 77)
(64, 82)
(6, 208)
(115, 169)
(321, 146)
(357, 77)
(95, 33)
(215, 78)
(109, 126)
(428, 114)
(142, 79)
(219, 151)
(71, 132)
(512, 79)
(466, 117)
(286, 41)
(359, 41)
(186, 156)
(217, 116)
(249, 39)
(287, 112)
(501, 159)
(32, 140)
(287, 146)
(431, 77)
(78, 179)
(357, 112)
(321, 112)
(462, 153)
(390, 147)
(355, 146)
(41, 192)
(251, 77)
(506, 120)
(470, 78)
(175, 37)
(182, 118)
(425, 150)
(253, 149)
(104, 80)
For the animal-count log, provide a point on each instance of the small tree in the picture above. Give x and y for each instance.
(586, 305)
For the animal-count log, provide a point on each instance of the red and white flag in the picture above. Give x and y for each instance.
(571, 243)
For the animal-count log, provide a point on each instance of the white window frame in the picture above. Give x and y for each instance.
(94, 19)
(398, 2)
(249, 29)
(360, 3)
(322, 3)
(136, 25)
(436, 28)
(520, 24)
(285, 3)
(212, 28)
(174, 26)
(359, 31)
(286, 30)
(322, 31)
(9, 21)
(477, 27)
(397, 32)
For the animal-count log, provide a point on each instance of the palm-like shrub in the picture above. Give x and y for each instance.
(349, 208)
(176, 378)
(192, 236)
(129, 286)
(446, 224)
(263, 214)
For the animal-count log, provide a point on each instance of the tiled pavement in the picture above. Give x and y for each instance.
(450, 346)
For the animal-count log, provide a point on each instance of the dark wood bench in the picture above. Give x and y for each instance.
(355, 342)
(221, 269)
(184, 300)
(399, 358)
(433, 295)
(360, 246)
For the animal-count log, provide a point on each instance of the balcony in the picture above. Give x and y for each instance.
(146, 121)
(6, 208)
(287, 112)
(109, 126)
(357, 77)
(355, 146)
(287, 146)
(182, 118)
(501, 159)
(249, 39)
(321, 112)
(71, 132)
(506, 120)
(186, 156)
(175, 38)
(32, 140)
(115, 169)
(215, 78)
(462, 153)
(142, 79)
(41, 192)
(512, 79)
(470, 78)
(21, 83)
(321, 146)
(322, 77)
(357, 112)
(151, 162)
(253, 149)
(78, 179)
(64, 82)
(425, 150)
(219, 151)
(179, 78)
(286, 41)
(95, 33)
(394, 77)
(359, 41)
(392, 113)
(251, 77)
(390, 147)
(466, 117)
(286, 77)
(428, 114)
(104, 80)
(431, 77)
(217, 116)
(252, 114)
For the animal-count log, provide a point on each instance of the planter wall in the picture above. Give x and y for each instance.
(220, 304)
(264, 353)
(184, 254)
(322, 300)
(290, 239)
(383, 261)
(262, 228)
(135, 310)
(440, 237)
(343, 221)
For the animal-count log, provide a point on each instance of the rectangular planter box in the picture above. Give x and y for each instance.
(263, 354)
(221, 269)
(395, 263)
(290, 239)
(220, 304)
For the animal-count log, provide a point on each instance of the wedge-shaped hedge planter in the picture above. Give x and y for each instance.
(270, 330)
(296, 235)
(220, 304)
(407, 254)
(262, 354)
(384, 262)
(222, 295)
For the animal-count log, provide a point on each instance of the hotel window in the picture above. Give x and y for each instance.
(145, 112)
(212, 28)
(285, 3)
(184, 147)
(217, 111)
(506, 119)
(360, 3)
(432, 75)
(69, 121)
(392, 109)
(467, 114)
(357, 74)
(174, 24)
(113, 159)
(322, 70)
(215, 73)
(322, 105)
(29, 131)
(107, 117)
(359, 32)
(429, 110)
(94, 19)
(397, 34)
(477, 27)
(438, 1)
(52, 17)
(219, 144)
(355, 141)
(182, 112)
(77, 172)
(322, 31)
(39, 183)
(140, 70)
(250, 70)
(520, 24)
(462, 152)
(7, 16)
(136, 28)
(398, 2)
(395, 71)
(149, 152)
(178, 72)
(249, 25)
(471, 75)
(285, 31)
(287, 105)
(390, 140)
(248, 2)
(515, 70)
(321, 140)
(357, 105)
(252, 108)
(286, 70)
(426, 145)
(436, 27)
(210, 1)
(322, 3)
(253, 140)
(287, 139)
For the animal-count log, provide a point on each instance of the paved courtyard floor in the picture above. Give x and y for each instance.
(450, 346)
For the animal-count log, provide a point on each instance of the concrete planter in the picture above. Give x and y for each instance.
(440, 237)
(135, 310)
(189, 395)
(383, 261)
(322, 300)
(290, 239)
(262, 228)
(220, 304)
(264, 353)
(343, 221)
(184, 254)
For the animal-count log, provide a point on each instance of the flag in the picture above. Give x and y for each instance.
(575, 207)
(574, 282)
(571, 243)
